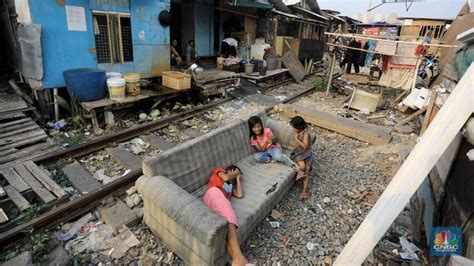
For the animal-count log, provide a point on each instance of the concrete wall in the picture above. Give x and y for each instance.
(64, 49)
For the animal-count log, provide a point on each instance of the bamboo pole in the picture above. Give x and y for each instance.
(375, 52)
(331, 73)
(382, 40)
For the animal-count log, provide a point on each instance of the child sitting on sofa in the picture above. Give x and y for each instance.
(224, 184)
(302, 154)
(263, 141)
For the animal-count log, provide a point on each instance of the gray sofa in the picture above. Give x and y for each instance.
(175, 181)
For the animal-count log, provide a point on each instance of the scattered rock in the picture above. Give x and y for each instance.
(24, 258)
(58, 256)
(118, 215)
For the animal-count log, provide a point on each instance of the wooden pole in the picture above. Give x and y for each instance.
(415, 75)
(56, 106)
(445, 126)
(331, 73)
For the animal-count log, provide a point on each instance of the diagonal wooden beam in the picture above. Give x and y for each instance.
(447, 123)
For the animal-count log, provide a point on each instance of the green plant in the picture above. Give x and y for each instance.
(56, 169)
(73, 108)
(319, 83)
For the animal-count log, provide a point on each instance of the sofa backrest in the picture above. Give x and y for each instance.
(190, 164)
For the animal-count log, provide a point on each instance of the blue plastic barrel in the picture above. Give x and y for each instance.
(89, 84)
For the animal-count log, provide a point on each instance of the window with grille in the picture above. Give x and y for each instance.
(113, 37)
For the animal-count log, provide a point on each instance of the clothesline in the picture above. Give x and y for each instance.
(404, 37)
(375, 52)
(390, 41)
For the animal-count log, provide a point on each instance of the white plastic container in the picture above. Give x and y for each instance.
(116, 88)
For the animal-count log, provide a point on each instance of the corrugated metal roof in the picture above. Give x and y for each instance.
(300, 17)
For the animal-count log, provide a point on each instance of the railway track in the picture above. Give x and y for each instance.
(81, 205)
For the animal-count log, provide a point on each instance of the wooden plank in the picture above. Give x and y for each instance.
(356, 129)
(11, 102)
(364, 100)
(18, 91)
(270, 73)
(290, 61)
(412, 116)
(24, 142)
(80, 178)
(3, 216)
(21, 136)
(157, 142)
(125, 158)
(15, 122)
(14, 179)
(11, 115)
(7, 152)
(18, 158)
(44, 179)
(445, 126)
(21, 130)
(15, 127)
(35, 185)
(31, 150)
(429, 112)
(17, 198)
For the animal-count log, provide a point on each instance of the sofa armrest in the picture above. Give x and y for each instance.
(186, 210)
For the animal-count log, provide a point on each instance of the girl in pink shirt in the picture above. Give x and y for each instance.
(263, 141)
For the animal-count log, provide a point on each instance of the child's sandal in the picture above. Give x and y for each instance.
(304, 195)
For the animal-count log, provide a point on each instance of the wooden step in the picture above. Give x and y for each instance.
(17, 198)
(125, 158)
(35, 185)
(157, 142)
(44, 179)
(80, 178)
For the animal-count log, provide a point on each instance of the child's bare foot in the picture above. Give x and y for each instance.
(304, 195)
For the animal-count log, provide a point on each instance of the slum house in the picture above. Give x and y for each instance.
(420, 27)
(116, 35)
(378, 28)
(247, 21)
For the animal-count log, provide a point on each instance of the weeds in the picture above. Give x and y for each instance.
(73, 108)
(56, 169)
(38, 245)
(319, 83)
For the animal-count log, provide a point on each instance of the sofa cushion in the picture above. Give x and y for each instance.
(190, 164)
(257, 179)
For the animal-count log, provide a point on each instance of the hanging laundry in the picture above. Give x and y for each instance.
(404, 49)
(386, 47)
(369, 55)
(397, 78)
(363, 55)
(352, 56)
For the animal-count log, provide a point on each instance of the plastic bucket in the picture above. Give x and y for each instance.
(133, 83)
(249, 69)
(272, 62)
(88, 84)
(116, 88)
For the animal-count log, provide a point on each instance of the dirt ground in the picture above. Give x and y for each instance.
(347, 178)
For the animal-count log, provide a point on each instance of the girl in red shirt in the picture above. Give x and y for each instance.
(224, 184)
